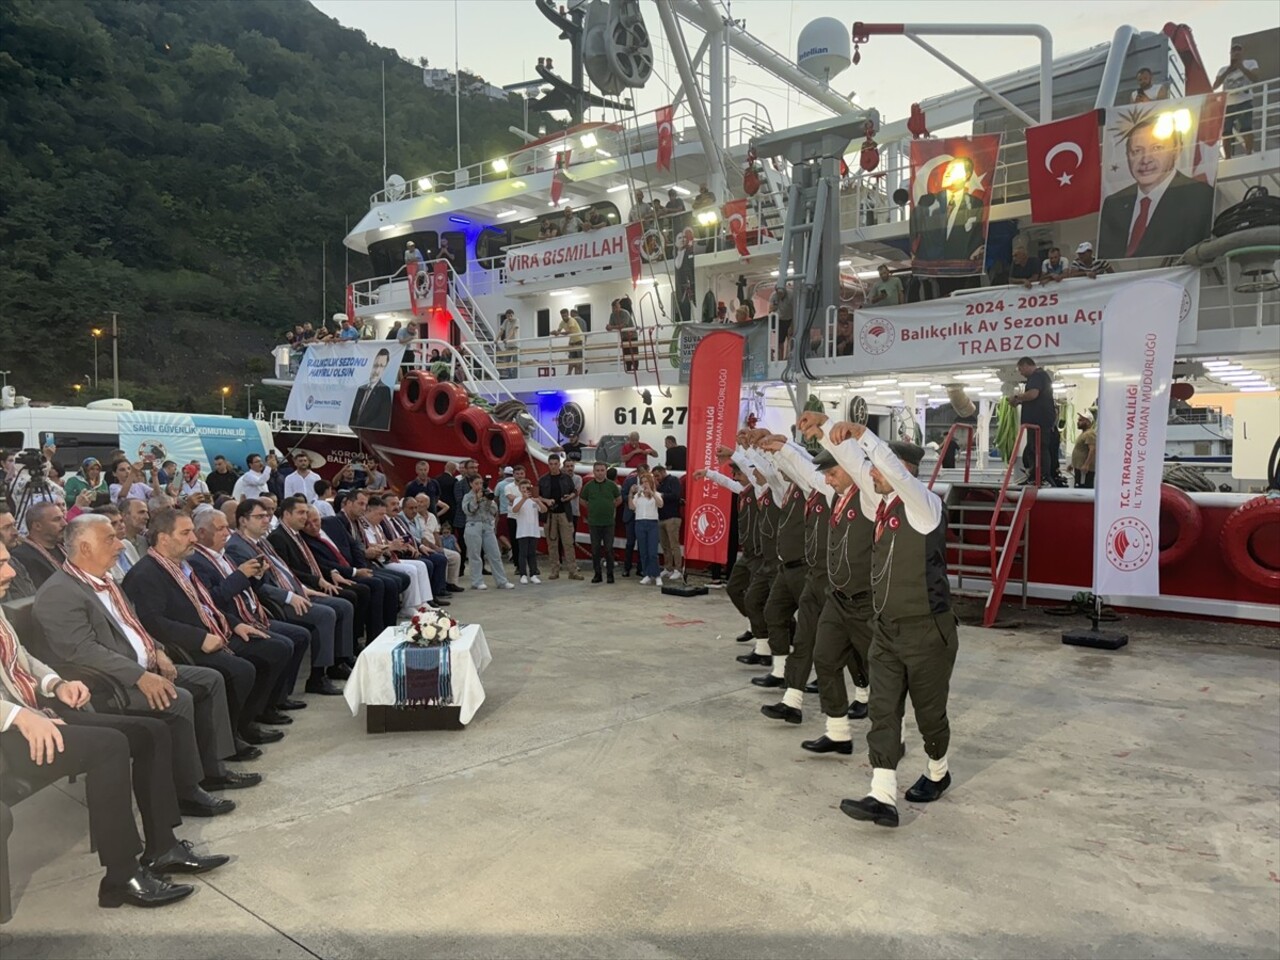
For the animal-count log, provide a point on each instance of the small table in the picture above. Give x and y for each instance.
(371, 684)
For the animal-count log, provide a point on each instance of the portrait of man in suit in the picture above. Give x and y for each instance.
(372, 407)
(949, 226)
(1162, 212)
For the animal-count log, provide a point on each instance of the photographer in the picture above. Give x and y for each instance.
(33, 481)
(134, 481)
(480, 507)
(646, 501)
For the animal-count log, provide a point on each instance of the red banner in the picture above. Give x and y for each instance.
(951, 182)
(1064, 168)
(440, 285)
(735, 215)
(558, 176)
(715, 386)
(415, 304)
(351, 302)
(666, 136)
(635, 236)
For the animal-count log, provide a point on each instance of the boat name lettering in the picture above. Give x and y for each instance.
(647, 416)
(561, 254)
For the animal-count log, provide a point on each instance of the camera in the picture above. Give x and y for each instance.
(490, 495)
(32, 459)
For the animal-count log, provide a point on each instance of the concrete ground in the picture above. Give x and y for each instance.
(620, 795)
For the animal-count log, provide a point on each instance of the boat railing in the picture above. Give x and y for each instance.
(601, 352)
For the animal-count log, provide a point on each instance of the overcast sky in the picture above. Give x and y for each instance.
(502, 39)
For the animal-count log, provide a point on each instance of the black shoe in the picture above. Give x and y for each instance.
(857, 711)
(626, 573)
(780, 711)
(768, 680)
(274, 718)
(291, 705)
(925, 790)
(183, 859)
(205, 805)
(454, 588)
(339, 671)
(610, 580)
(872, 810)
(597, 579)
(246, 753)
(439, 602)
(231, 781)
(323, 686)
(811, 687)
(256, 735)
(825, 744)
(144, 889)
(756, 659)
(744, 637)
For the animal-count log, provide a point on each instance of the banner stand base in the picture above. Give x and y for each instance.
(1096, 639)
(681, 589)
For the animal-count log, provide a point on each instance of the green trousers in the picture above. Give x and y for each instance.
(758, 595)
(800, 662)
(780, 608)
(843, 641)
(912, 656)
(739, 582)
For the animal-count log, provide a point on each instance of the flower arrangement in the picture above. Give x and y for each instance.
(432, 628)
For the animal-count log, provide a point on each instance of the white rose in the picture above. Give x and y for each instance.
(428, 632)
(453, 632)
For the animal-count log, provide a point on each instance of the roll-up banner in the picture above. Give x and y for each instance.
(714, 399)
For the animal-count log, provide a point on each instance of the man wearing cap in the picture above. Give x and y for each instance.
(1084, 265)
(914, 636)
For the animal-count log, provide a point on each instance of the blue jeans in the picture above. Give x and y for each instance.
(647, 542)
(483, 542)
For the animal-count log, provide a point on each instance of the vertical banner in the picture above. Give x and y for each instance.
(351, 302)
(346, 384)
(735, 215)
(635, 236)
(666, 136)
(558, 176)
(1139, 337)
(951, 182)
(713, 422)
(686, 291)
(1159, 165)
(413, 272)
(440, 285)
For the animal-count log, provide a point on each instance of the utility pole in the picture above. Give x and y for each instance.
(115, 355)
(248, 403)
(97, 333)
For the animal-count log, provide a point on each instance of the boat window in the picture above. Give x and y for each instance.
(458, 247)
(490, 247)
(584, 315)
(543, 322)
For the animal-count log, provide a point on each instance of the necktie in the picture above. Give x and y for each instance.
(1139, 227)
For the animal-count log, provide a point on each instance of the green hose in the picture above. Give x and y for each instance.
(1006, 438)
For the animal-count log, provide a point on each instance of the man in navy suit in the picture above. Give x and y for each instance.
(384, 592)
(346, 531)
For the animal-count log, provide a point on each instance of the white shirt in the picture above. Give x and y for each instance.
(189, 488)
(1233, 79)
(324, 508)
(251, 485)
(527, 517)
(504, 494)
(134, 638)
(646, 508)
(298, 485)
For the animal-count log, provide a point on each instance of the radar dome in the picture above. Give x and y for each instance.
(824, 48)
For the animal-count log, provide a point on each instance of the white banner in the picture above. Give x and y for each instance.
(1139, 339)
(591, 250)
(346, 384)
(1008, 323)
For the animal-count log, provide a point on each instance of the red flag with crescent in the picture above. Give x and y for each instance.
(635, 237)
(1064, 168)
(351, 302)
(440, 285)
(666, 136)
(735, 216)
(558, 175)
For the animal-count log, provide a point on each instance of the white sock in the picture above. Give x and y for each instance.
(779, 665)
(762, 646)
(793, 698)
(838, 728)
(861, 694)
(937, 768)
(884, 785)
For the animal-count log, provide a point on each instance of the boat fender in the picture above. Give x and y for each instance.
(445, 401)
(471, 426)
(505, 444)
(1241, 530)
(1180, 525)
(414, 389)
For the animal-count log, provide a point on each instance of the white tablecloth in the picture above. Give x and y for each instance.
(371, 683)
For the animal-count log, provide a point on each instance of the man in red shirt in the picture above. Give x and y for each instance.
(636, 453)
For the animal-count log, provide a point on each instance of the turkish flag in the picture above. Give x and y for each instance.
(351, 302)
(1064, 168)
(440, 285)
(635, 236)
(735, 215)
(558, 176)
(666, 136)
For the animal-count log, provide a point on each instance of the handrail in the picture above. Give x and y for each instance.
(1025, 428)
(968, 451)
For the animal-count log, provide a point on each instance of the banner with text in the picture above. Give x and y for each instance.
(1139, 339)
(185, 438)
(346, 384)
(999, 326)
(713, 422)
(755, 338)
(588, 250)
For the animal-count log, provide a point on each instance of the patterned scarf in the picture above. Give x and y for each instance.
(278, 569)
(26, 685)
(422, 675)
(247, 605)
(122, 605)
(210, 615)
(306, 552)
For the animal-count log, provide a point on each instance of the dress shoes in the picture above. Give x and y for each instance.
(323, 686)
(811, 687)
(597, 579)
(257, 736)
(246, 753)
(274, 718)
(143, 889)
(744, 637)
(440, 602)
(339, 671)
(202, 804)
(183, 859)
(291, 705)
(825, 744)
(925, 790)
(768, 680)
(231, 781)
(871, 810)
(857, 711)
(610, 580)
(454, 588)
(780, 711)
(754, 659)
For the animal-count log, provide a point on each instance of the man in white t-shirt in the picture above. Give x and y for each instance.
(302, 482)
(1234, 77)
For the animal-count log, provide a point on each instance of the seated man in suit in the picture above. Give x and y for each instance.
(87, 620)
(384, 592)
(41, 552)
(346, 530)
(172, 603)
(68, 740)
(333, 647)
(396, 526)
(232, 591)
(21, 586)
(372, 407)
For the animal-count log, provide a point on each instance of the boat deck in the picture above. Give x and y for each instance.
(619, 794)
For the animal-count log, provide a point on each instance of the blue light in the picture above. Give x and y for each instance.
(460, 220)
(548, 393)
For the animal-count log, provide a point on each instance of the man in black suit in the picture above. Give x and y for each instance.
(173, 603)
(372, 407)
(345, 530)
(41, 552)
(384, 592)
(232, 591)
(951, 221)
(1162, 213)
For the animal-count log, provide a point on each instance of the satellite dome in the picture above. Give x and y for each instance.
(823, 48)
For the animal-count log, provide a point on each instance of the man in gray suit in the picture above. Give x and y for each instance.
(87, 620)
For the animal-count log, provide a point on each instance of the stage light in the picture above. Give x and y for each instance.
(499, 165)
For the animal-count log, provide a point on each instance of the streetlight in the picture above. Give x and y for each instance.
(4, 378)
(115, 352)
(225, 391)
(248, 403)
(97, 334)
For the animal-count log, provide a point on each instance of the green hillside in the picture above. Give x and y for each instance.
(187, 164)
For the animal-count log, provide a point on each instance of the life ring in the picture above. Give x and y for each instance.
(445, 401)
(471, 425)
(505, 444)
(1242, 542)
(414, 388)
(1180, 525)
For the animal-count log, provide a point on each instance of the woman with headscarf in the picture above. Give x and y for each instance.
(89, 478)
